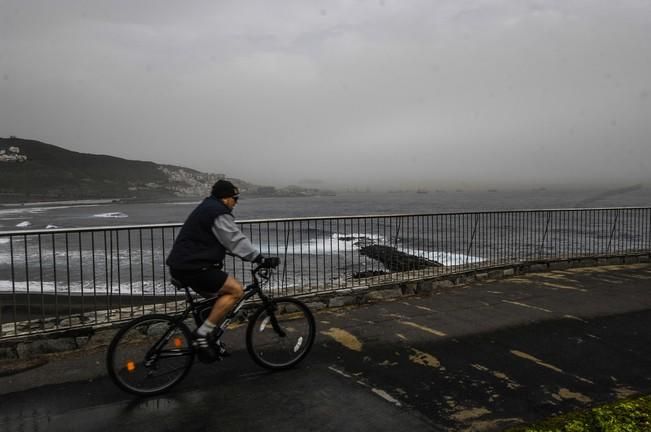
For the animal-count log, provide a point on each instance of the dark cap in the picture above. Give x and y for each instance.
(224, 189)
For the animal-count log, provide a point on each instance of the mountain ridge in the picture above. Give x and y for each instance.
(32, 170)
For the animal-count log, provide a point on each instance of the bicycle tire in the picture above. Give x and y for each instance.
(127, 354)
(271, 350)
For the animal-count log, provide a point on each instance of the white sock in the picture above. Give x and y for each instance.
(205, 328)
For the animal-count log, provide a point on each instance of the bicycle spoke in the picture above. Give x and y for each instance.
(150, 355)
(280, 335)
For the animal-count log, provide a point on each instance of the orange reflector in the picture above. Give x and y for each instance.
(178, 342)
(131, 366)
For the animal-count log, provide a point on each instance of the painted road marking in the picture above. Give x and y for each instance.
(342, 373)
(527, 306)
(499, 375)
(423, 328)
(574, 318)
(566, 287)
(386, 396)
(383, 394)
(547, 365)
(535, 360)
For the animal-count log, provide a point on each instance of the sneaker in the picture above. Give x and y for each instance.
(206, 349)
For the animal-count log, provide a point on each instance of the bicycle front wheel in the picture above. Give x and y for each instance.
(150, 354)
(280, 334)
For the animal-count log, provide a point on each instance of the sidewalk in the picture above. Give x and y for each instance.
(480, 357)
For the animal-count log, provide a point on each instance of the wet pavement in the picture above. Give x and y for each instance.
(484, 356)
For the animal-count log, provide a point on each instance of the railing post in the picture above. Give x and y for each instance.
(395, 239)
(612, 231)
(544, 238)
(472, 238)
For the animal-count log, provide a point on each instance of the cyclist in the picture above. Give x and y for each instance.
(197, 257)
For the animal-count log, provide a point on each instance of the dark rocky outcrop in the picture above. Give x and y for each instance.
(368, 273)
(395, 260)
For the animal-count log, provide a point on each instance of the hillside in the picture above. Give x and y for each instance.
(33, 171)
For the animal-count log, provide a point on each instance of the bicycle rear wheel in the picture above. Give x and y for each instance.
(150, 354)
(280, 334)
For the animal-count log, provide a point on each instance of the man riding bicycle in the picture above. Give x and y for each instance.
(197, 257)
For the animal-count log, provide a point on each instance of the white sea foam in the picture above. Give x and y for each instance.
(445, 258)
(111, 215)
(38, 210)
(182, 203)
(50, 226)
(347, 243)
(24, 224)
(335, 244)
(124, 288)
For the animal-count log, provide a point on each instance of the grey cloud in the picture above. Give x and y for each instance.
(369, 92)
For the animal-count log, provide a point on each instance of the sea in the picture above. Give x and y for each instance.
(324, 254)
(77, 214)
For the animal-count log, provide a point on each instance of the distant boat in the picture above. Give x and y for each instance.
(422, 191)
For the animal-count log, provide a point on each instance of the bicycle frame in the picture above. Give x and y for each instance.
(195, 307)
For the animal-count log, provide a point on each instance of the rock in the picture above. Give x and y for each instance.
(368, 273)
(395, 260)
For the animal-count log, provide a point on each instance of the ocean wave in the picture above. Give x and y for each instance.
(90, 288)
(351, 243)
(182, 203)
(111, 215)
(336, 244)
(356, 236)
(38, 210)
(24, 224)
(445, 258)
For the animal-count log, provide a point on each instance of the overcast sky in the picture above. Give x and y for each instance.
(379, 92)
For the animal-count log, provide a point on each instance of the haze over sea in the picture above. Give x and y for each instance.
(87, 214)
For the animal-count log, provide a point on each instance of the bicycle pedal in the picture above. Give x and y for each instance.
(221, 347)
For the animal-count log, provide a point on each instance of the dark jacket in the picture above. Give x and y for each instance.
(196, 246)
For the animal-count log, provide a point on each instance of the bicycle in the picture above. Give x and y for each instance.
(154, 352)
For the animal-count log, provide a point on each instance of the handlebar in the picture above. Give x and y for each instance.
(264, 271)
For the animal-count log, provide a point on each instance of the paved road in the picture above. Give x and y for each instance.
(481, 357)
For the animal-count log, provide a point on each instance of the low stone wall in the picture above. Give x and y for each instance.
(100, 334)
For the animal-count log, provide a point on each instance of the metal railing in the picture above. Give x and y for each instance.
(56, 279)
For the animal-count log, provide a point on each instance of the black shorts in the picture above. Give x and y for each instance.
(204, 282)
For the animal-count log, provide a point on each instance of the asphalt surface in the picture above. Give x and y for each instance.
(485, 356)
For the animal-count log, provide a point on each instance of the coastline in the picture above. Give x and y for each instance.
(62, 202)
(149, 200)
